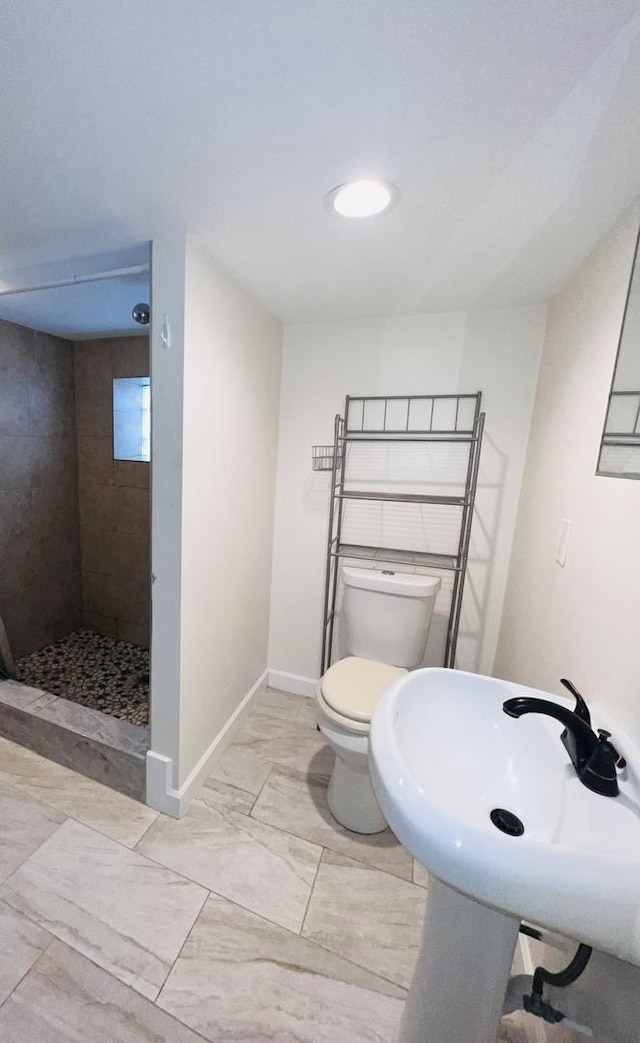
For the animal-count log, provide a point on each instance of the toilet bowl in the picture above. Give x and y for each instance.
(384, 611)
(346, 697)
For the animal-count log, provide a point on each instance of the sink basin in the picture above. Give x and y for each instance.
(443, 755)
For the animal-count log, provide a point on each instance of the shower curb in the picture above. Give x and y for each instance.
(107, 750)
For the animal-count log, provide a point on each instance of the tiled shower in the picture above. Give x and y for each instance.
(74, 522)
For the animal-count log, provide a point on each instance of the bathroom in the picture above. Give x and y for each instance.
(232, 869)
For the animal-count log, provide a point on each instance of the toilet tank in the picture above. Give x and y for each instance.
(386, 615)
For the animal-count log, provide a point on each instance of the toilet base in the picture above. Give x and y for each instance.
(351, 798)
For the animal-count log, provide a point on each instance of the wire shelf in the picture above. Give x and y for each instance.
(402, 421)
(322, 457)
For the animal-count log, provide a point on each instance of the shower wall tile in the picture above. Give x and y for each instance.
(54, 368)
(97, 549)
(132, 516)
(19, 456)
(131, 557)
(40, 593)
(102, 625)
(15, 514)
(130, 356)
(51, 409)
(14, 408)
(93, 413)
(136, 633)
(113, 494)
(95, 461)
(98, 507)
(131, 473)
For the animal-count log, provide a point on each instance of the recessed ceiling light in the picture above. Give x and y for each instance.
(362, 198)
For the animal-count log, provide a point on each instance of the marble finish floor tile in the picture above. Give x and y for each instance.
(222, 795)
(24, 825)
(125, 913)
(366, 916)
(285, 705)
(21, 944)
(240, 978)
(119, 817)
(260, 868)
(241, 768)
(297, 803)
(67, 999)
(291, 743)
(420, 874)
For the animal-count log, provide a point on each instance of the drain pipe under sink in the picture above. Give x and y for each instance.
(525, 992)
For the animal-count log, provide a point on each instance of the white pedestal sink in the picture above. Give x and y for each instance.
(443, 755)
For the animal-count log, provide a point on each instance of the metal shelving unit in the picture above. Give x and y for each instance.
(402, 420)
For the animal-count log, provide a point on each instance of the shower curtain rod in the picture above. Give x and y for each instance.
(75, 280)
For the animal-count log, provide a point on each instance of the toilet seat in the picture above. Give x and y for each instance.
(351, 688)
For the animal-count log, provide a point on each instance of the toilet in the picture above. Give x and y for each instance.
(384, 625)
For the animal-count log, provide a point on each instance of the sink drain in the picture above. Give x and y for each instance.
(507, 822)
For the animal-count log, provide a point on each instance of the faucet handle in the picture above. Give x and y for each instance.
(604, 736)
(582, 710)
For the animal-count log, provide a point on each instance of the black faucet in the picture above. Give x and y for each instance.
(593, 756)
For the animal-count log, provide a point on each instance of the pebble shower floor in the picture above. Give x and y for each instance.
(93, 670)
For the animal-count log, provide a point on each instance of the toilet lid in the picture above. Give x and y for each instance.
(353, 686)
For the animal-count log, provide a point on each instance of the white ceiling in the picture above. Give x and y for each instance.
(511, 129)
(102, 308)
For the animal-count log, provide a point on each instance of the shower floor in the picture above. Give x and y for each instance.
(95, 671)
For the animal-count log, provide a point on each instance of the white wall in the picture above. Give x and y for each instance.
(231, 401)
(214, 490)
(496, 352)
(580, 621)
(167, 299)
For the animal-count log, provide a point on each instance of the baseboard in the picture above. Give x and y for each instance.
(160, 792)
(296, 683)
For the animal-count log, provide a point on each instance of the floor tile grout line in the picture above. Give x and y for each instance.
(309, 941)
(26, 793)
(208, 893)
(286, 767)
(272, 765)
(325, 847)
(315, 878)
(271, 923)
(52, 939)
(32, 853)
(70, 945)
(333, 851)
(104, 970)
(134, 847)
(299, 836)
(218, 894)
(186, 938)
(212, 781)
(377, 974)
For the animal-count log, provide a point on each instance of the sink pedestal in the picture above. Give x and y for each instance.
(461, 977)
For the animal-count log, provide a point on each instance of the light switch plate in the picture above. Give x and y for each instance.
(563, 541)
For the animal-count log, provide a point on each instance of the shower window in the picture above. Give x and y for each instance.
(132, 418)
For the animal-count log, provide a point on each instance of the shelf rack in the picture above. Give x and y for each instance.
(402, 420)
(627, 434)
